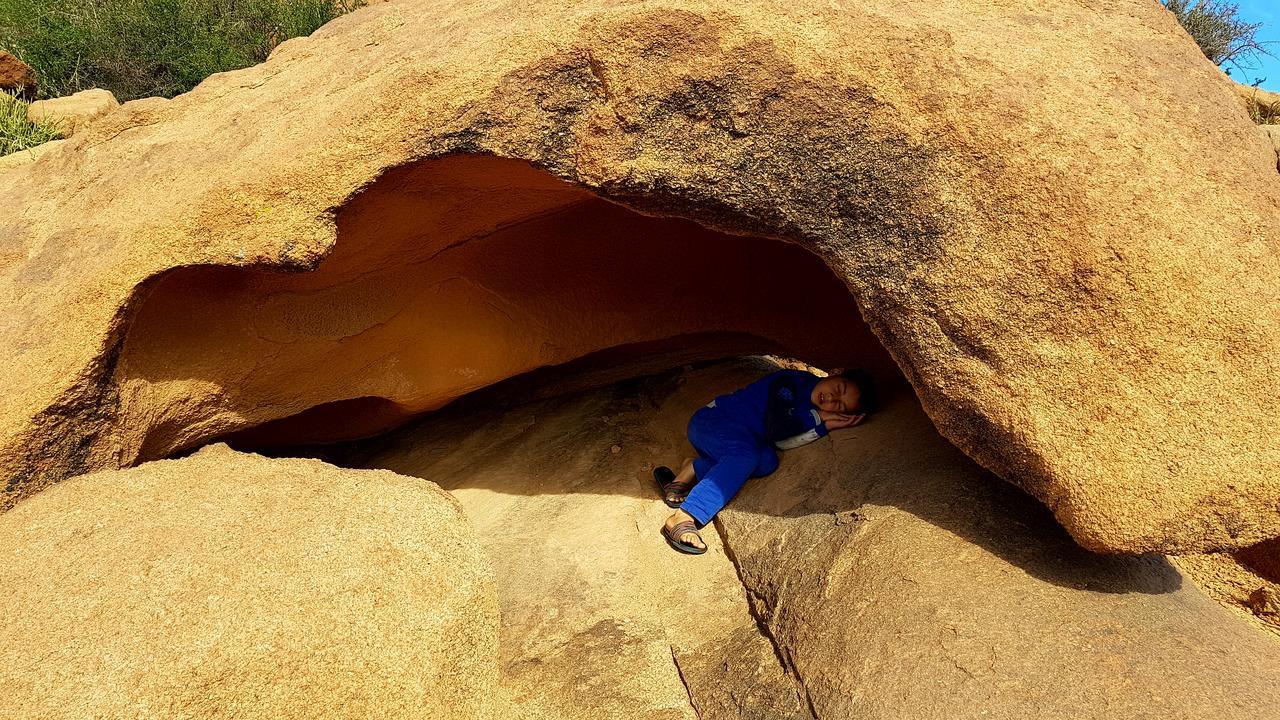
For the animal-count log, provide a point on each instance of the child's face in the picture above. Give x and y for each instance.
(835, 394)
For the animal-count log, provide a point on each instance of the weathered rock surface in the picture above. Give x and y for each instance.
(73, 113)
(600, 619)
(1272, 133)
(16, 76)
(897, 578)
(28, 156)
(1244, 580)
(1265, 602)
(1059, 220)
(1264, 558)
(230, 585)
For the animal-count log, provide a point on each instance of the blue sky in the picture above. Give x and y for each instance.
(1263, 11)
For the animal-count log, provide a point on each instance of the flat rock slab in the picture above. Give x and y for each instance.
(231, 585)
(30, 155)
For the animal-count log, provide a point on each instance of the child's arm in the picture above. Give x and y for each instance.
(804, 438)
(836, 421)
(825, 423)
(789, 419)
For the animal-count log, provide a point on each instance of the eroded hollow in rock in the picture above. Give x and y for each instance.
(451, 275)
(1263, 559)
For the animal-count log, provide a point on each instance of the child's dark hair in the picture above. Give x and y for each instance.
(868, 398)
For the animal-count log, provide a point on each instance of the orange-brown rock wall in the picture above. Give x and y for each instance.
(450, 276)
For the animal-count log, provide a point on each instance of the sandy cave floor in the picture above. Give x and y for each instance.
(560, 493)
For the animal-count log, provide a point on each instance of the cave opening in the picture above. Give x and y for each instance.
(539, 348)
(456, 274)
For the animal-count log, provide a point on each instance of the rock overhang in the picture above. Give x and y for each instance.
(1087, 321)
(450, 275)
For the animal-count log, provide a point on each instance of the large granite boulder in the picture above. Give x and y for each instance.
(231, 585)
(24, 157)
(1058, 219)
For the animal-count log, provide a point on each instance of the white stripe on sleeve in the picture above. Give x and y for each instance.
(795, 442)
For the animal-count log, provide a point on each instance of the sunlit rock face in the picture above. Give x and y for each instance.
(1059, 222)
(227, 584)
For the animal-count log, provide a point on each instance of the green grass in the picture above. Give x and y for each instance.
(15, 132)
(142, 48)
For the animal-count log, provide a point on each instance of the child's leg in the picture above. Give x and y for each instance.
(678, 487)
(768, 462)
(701, 465)
(722, 482)
(687, 472)
(704, 427)
(728, 456)
(705, 434)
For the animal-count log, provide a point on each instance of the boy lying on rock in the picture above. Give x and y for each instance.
(737, 437)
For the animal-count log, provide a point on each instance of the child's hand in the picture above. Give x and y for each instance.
(836, 421)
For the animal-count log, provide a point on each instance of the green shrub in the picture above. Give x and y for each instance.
(15, 132)
(1216, 27)
(141, 48)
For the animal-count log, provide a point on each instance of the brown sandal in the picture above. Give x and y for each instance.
(668, 486)
(673, 537)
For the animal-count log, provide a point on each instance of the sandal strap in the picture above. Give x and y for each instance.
(684, 526)
(677, 487)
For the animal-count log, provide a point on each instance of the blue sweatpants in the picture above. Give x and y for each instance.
(728, 454)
